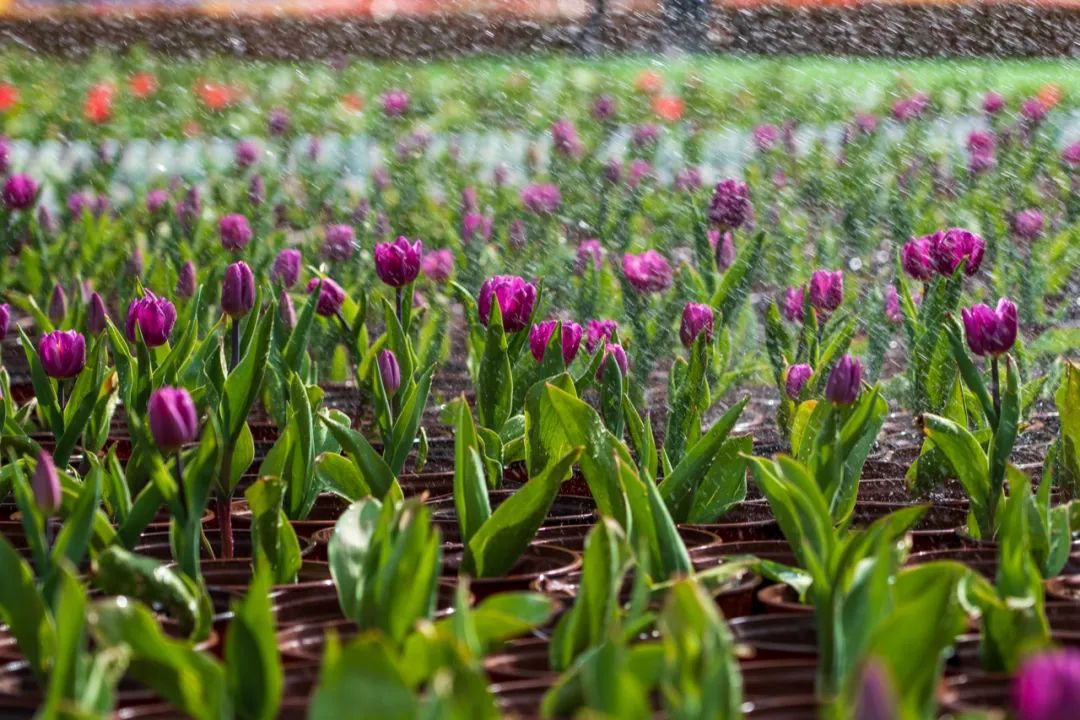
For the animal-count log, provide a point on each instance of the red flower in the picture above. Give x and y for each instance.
(649, 82)
(9, 96)
(668, 107)
(353, 102)
(216, 96)
(98, 106)
(143, 85)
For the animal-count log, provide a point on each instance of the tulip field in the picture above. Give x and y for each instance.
(630, 387)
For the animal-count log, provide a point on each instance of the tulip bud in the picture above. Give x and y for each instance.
(597, 331)
(515, 296)
(541, 199)
(438, 265)
(516, 235)
(540, 336)
(723, 245)
(256, 191)
(950, 248)
(173, 419)
(135, 263)
(331, 296)
(797, 375)
(1028, 224)
(915, 258)
(46, 485)
(62, 353)
(696, 319)
(286, 268)
(589, 254)
(877, 699)
(616, 351)
(155, 201)
(990, 332)
(1047, 686)
(5, 320)
(286, 311)
(398, 263)
(235, 232)
(892, 306)
(238, 290)
(185, 282)
(845, 381)
(154, 316)
(96, 315)
(389, 371)
(277, 122)
(826, 291)
(339, 242)
(20, 192)
(245, 154)
(648, 272)
(730, 205)
(57, 304)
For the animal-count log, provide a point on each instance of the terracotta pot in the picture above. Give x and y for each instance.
(435, 484)
(936, 530)
(775, 550)
(781, 598)
(21, 696)
(229, 579)
(572, 537)
(974, 692)
(537, 561)
(805, 707)
(983, 560)
(158, 545)
(775, 637)
(751, 520)
(321, 604)
(565, 510)
(324, 513)
(526, 659)
(764, 679)
(520, 698)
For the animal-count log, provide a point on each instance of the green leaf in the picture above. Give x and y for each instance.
(408, 421)
(373, 469)
(498, 543)
(365, 674)
(724, 484)
(273, 539)
(470, 486)
(24, 611)
(495, 384)
(341, 476)
(293, 355)
(244, 383)
(968, 460)
(252, 663)
(120, 572)
(44, 388)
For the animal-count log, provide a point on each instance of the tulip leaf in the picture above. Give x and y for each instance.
(470, 484)
(494, 384)
(339, 475)
(969, 462)
(373, 469)
(44, 389)
(295, 348)
(81, 404)
(252, 663)
(244, 383)
(366, 674)
(408, 420)
(24, 611)
(503, 537)
(273, 539)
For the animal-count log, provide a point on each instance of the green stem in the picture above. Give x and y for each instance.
(234, 333)
(995, 386)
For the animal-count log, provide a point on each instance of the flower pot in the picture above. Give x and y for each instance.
(937, 529)
(775, 637)
(158, 545)
(565, 510)
(537, 561)
(766, 680)
(746, 521)
(324, 513)
(975, 692)
(525, 659)
(227, 580)
(573, 537)
(781, 598)
(775, 550)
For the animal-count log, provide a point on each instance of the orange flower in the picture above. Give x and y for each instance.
(668, 107)
(1050, 95)
(143, 85)
(9, 96)
(353, 101)
(649, 81)
(98, 105)
(215, 95)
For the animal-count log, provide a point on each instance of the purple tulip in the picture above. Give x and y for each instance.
(62, 353)
(540, 336)
(47, 221)
(395, 103)
(475, 225)
(696, 319)
(892, 306)
(57, 304)
(645, 137)
(826, 291)
(597, 331)
(687, 179)
(616, 351)
(331, 296)
(277, 122)
(765, 137)
(156, 200)
(185, 281)
(1071, 155)
(135, 263)
(286, 268)
(612, 172)
(541, 199)
(438, 265)
(174, 421)
(648, 272)
(1033, 110)
(235, 232)
(723, 246)
(993, 103)
(96, 315)
(603, 108)
(845, 381)
(638, 172)
(256, 191)
(389, 371)
(20, 192)
(516, 235)
(1028, 224)
(864, 123)
(189, 209)
(877, 698)
(238, 290)
(915, 258)
(730, 205)
(469, 203)
(398, 263)
(154, 316)
(339, 242)
(515, 296)
(951, 247)
(589, 253)
(1047, 686)
(46, 485)
(911, 108)
(792, 307)
(245, 154)
(797, 375)
(565, 138)
(990, 331)
(5, 320)
(286, 310)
